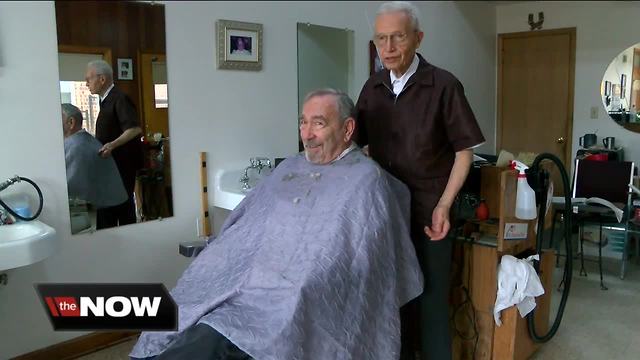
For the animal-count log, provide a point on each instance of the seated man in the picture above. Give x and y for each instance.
(89, 176)
(313, 264)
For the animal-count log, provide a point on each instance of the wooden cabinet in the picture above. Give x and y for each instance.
(474, 287)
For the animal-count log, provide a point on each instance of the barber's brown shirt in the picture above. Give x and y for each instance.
(415, 135)
(117, 114)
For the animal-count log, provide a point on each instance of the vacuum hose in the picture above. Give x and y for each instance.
(568, 265)
(10, 182)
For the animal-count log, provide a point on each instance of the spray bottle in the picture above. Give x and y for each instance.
(525, 196)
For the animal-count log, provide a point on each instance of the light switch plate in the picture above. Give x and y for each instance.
(594, 112)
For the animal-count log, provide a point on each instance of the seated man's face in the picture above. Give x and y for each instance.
(322, 132)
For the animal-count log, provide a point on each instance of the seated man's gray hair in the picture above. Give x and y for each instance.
(346, 108)
(102, 68)
(403, 6)
(71, 111)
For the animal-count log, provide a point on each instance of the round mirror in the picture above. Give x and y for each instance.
(620, 88)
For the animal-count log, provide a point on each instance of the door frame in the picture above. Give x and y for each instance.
(568, 155)
(79, 49)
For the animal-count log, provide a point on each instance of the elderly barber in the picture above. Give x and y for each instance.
(417, 124)
(117, 128)
(314, 263)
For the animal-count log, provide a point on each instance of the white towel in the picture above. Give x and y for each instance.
(518, 284)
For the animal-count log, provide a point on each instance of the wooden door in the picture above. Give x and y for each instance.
(153, 83)
(535, 92)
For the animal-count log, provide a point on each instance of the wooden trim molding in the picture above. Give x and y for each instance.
(79, 346)
(76, 49)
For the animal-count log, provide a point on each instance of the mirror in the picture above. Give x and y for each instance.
(620, 88)
(325, 59)
(117, 153)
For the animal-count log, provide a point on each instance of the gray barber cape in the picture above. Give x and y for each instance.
(89, 176)
(313, 264)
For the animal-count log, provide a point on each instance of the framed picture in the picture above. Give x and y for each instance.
(375, 64)
(125, 69)
(239, 45)
(623, 85)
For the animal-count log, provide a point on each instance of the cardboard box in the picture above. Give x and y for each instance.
(490, 188)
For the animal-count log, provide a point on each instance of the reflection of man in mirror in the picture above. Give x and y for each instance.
(90, 177)
(241, 45)
(117, 128)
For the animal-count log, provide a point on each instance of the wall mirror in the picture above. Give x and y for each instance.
(620, 88)
(325, 59)
(130, 36)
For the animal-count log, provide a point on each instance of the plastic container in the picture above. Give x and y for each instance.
(598, 157)
(525, 196)
(482, 211)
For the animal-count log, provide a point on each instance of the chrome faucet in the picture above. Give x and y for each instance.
(260, 163)
(256, 163)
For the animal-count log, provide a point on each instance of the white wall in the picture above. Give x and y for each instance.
(603, 30)
(232, 115)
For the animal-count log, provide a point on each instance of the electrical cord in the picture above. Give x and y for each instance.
(568, 265)
(11, 211)
(465, 309)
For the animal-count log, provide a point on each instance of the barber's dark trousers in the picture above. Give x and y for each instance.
(432, 305)
(119, 215)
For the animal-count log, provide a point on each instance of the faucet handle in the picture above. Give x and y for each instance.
(260, 162)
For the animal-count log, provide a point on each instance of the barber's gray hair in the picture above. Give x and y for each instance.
(71, 111)
(345, 106)
(102, 68)
(402, 6)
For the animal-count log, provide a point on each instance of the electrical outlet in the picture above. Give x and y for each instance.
(594, 112)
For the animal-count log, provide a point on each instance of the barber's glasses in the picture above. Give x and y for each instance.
(395, 38)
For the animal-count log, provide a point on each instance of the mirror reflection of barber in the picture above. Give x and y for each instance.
(117, 128)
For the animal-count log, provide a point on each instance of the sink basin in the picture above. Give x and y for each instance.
(228, 192)
(25, 243)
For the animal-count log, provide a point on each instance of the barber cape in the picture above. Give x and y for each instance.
(313, 264)
(89, 176)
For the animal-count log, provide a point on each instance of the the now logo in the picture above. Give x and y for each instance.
(116, 306)
(109, 306)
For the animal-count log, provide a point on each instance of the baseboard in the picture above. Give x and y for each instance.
(79, 346)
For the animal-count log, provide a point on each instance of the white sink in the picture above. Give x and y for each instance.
(228, 192)
(25, 243)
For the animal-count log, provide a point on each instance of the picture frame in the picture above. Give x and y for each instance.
(125, 69)
(375, 64)
(239, 45)
(623, 85)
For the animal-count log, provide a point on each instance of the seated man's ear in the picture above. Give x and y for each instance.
(349, 128)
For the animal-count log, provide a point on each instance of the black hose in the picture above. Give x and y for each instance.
(568, 265)
(4, 205)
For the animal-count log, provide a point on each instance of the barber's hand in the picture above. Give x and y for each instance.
(439, 224)
(105, 150)
(365, 150)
